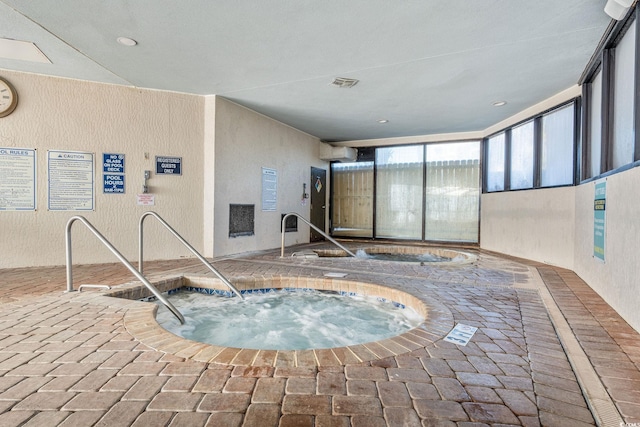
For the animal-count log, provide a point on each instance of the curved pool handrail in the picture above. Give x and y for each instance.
(118, 255)
(185, 243)
(325, 235)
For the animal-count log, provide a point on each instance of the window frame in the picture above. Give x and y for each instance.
(537, 149)
(604, 60)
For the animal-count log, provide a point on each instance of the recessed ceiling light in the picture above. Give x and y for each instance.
(344, 82)
(499, 103)
(382, 121)
(126, 41)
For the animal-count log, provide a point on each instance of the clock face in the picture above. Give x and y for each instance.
(8, 98)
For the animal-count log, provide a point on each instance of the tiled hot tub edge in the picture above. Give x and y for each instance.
(139, 321)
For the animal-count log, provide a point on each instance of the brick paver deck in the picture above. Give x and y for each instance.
(67, 359)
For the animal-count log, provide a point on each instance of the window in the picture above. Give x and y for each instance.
(420, 192)
(556, 160)
(594, 144)
(611, 117)
(623, 99)
(495, 162)
(399, 176)
(522, 155)
(539, 152)
(452, 191)
(352, 195)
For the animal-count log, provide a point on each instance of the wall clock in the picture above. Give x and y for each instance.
(8, 98)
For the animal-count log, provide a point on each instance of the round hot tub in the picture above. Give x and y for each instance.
(427, 321)
(416, 254)
(287, 319)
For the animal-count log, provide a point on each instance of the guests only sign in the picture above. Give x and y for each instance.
(166, 165)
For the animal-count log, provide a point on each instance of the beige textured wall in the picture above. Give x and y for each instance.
(555, 226)
(63, 114)
(616, 279)
(245, 142)
(533, 224)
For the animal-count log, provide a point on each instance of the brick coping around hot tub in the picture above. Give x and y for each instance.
(456, 257)
(140, 321)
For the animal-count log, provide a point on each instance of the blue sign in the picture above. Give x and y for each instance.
(113, 183)
(112, 163)
(168, 165)
(599, 219)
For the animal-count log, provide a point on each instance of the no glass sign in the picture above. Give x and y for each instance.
(113, 173)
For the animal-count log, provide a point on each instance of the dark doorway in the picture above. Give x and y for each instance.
(318, 201)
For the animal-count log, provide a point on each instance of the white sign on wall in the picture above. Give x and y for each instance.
(269, 189)
(70, 175)
(146, 200)
(17, 179)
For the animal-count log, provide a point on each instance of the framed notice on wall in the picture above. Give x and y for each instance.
(17, 179)
(269, 189)
(599, 219)
(70, 175)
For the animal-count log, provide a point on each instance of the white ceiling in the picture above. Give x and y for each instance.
(427, 66)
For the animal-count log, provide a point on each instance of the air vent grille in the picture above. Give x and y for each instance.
(344, 82)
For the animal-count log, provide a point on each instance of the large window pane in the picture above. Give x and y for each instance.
(595, 126)
(623, 97)
(399, 192)
(557, 147)
(495, 163)
(522, 156)
(352, 209)
(452, 192)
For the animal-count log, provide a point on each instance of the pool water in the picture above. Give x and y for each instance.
(402, 257)
(284, 320)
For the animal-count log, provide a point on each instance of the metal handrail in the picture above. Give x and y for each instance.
(325, 235)
(185, 243)
(119, 256)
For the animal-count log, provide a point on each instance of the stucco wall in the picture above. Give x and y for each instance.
(245, 142)
(63, 114)
(556, 226)
(616, 279)
(532, 224)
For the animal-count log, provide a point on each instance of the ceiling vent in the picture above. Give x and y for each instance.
(344, 82)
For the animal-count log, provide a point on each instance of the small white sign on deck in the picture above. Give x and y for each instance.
(461, 334)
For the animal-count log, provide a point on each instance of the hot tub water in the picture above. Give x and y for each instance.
(402, 257)
(283, 320)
